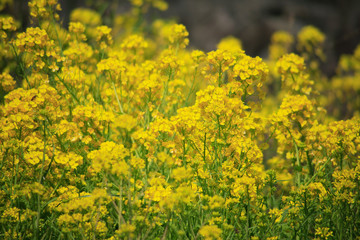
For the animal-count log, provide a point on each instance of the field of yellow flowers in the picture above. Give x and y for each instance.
(124, 132)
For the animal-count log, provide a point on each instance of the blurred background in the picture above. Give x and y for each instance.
(252, 21)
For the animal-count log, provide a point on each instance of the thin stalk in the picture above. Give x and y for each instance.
(297, 157)
(117, 98)
(21, 65)
(67, 87)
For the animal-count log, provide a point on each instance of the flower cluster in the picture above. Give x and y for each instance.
(44, 9)
(120, 131)
(7, 24)
(280, 44)
(310, 40)
(7, 82)
(39, 50)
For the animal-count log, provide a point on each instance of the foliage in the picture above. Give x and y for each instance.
(122, 132)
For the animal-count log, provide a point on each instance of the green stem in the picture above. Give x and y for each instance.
(67, 87)
(320, 170)
(191, 88)
(220, 74)
(117, 98)
(21, 65)
(298, 176)
(165, 92)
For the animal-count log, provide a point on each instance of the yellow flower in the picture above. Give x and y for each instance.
(137, 163)
(159, 4)
(103, 35)
(126, 229)
(135, 43)
(78, 53)
(210, 232)
(110, 158)
(7, 24)
(216, 202)
(44, 9)
(230, 43)
(249, 69)
(113, 65)
(282, 37)
(176, 34)
(78, 29)
(181, 173)
(276, 214)
(221, 60)
(290, 63)
(68, 159)
(317, 189)
(158, 190)
(214, 101)
(11, 214)
(42, 51)
(323, 233)
(7, 82)
(280, 44)
(311, 39)
(85, 16)
(297, 107)
(244, 187)
(125, 121)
